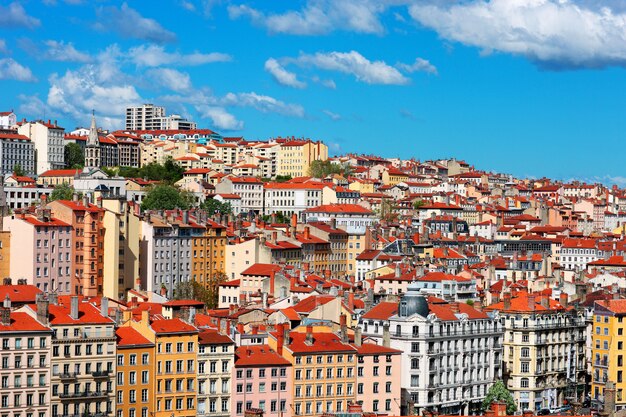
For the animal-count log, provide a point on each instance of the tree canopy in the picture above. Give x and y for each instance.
(166, 197)
(213, 206)
(169, 171)
(322, 169)
(208, 293)
(74, 156)
(62, 192)
(18, 170)
(499, 392)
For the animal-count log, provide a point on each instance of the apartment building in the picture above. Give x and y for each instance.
(544, 349)
(83, 355)
(378, 370)
(151, 117)
(324, 368)
(49, 144)
(290, 198)
(209, 257)
(250, 190)
(452, 352)
(216, 357)
(86, 220)
(46, 249)
(262, 382)
(135, 376)
(295, 156)
(25, 356)
(607, 355)
(16, 150)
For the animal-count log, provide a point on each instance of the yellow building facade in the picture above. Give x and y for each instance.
(294, 157)
(209, 254)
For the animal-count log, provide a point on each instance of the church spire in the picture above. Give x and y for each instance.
(92, 150)
(92, 140)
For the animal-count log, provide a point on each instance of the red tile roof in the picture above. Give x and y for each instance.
(374, 349)
(168, 326)
(261, 269)
(258, 355)
(14, 136)
(322, 342)
(60, 173)
(23, 322)
(311, 303)
(87, 313)
(213, 337)
(19, 294)
(129, 337)
(382, 311)
(339, 209)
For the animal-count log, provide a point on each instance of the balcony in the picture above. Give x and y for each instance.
(84, 394)
(67, 375)
(101, 374)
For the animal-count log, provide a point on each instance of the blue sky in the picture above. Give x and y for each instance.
(530, 87)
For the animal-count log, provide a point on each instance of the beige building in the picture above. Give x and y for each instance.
(121, 247)
(49, 144)
(295, 156)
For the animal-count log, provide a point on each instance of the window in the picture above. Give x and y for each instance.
(524, 383)
(525, 367)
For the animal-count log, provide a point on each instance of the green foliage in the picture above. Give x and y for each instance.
(322, 169)
(417, 204)
(208, 293)
(499, 392)
(74, 156)
(388, 210)
(168, 172)
(470, 302)
(110, 171)
(62, 192)
(213, 206)
(280, 218)
(166, 197)
(282, 178)
(18, 170)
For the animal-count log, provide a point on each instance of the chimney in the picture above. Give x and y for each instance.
(7, 302)
(507, 300)
(232, 309)
(609, 398)
(351, 300)
(358, 336)
(74, 307)
(307, 232)
(563, 299)
(531, 302)
(42, 309)
(527, 413)
(264, 299)
(398, 271)
(343, 328)
(145, 318)
(499, 408)
(104, 307)
(240, 328)
(5, 316)
(386, 335)
(280, 338)
(333, 223)
(454, 307)
(7, 281)
(138, 284)
(185, 216)
(309, 334)
(85, 200)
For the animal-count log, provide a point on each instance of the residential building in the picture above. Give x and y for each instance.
(150, 117)
(8, 119)
(250, 190)
(379, 369)
(88, 250)
(324, 368)
(295, 156)
(289, 198)
(216, 357)
(46, 250)
(607, 356)
(16, 150)
(544, 349)
(135, 376)
(262, 380)
(83, 355)
(25, 371)
(452, 351)
(49, 142)
(209, 258)
(352, 218)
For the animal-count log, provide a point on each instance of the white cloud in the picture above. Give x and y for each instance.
(370, 72)
(12, 70)
(262, 103)
(100, 86)
(420, 65)
(187, 5)
(171, 79)
(14, 15)
(220, 117)
(155, 55)
(331, 115)
(64, 52)
(3, 47)
(319, 17)
(130, 24)
(281, 75)
(552, 33)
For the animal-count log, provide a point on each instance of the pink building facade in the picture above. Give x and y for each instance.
(378, 376)
(262, 380)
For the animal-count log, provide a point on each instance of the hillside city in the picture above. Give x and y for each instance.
(166, 270)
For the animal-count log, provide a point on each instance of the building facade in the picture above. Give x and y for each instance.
(216, 353)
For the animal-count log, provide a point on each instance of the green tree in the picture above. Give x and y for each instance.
(74, 156)
(208, 294)
(18, 170)
(62, 192)
(417, 204)
(282, 178)
(213, 206)
(128, 172)
(388, 210)
(166, 197)
(110, 171)
(322, 169)
(499, 392)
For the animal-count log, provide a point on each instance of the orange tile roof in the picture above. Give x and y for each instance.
(168, 326)
(213, 337)
(340, 208)
(60, 173)
(87, 313)
(19, 294)
(382, 311)
(374, 349)
(129, 337)
(23, 322)
(258, 355)
(259, 269)
(322, 342)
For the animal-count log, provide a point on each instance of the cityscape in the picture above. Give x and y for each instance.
(284, 227)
